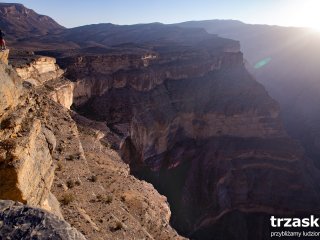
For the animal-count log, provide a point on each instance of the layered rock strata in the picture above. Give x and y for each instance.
(26, 146)
(43, 72)
(197, 125)
(96, 191)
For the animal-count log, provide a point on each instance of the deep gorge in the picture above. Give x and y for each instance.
(202, 131)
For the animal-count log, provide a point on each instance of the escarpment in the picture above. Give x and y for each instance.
(26, 165)
(192, 121)
(50, 161)
(42, 71)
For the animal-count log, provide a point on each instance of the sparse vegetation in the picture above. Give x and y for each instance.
(105, 199)
(59, 166)
(93, 178)
(70, 183)
(67, 198)
(118, 226)
(70, 158)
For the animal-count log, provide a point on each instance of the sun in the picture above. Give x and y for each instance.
(304, 14)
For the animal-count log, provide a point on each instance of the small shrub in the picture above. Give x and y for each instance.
(77, 182)
(67, 198)
(105, 199)
(118, 226)
(59, 166)
(70, 183)
(93, 178)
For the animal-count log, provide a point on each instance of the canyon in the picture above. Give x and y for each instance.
(205, 134)
(148, 131)
(290, 75)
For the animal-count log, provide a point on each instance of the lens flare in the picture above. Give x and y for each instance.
(262, 63)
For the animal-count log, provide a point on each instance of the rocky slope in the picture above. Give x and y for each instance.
(19, 22)
(192, 121)
(95, 190)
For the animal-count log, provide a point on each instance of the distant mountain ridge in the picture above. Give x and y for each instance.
(19, 22)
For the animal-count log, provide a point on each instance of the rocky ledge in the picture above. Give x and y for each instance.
(44, 157)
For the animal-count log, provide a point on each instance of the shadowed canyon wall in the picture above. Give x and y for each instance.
(192, 120)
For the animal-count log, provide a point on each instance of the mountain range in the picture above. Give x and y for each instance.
(91, 115)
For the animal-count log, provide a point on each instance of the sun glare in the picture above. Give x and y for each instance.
(304, 14)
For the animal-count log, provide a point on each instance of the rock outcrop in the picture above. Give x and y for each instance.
(10, 89)
(38, 70)
(4, 55)
(38, 136)
(43, 72)
(19, 221)
(26, 167)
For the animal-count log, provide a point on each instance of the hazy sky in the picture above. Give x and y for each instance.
(72, 13)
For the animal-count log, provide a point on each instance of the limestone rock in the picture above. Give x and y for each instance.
(4, 55)
(44, 73)
(61, 91)
(26, 145)
(202, 130)
(10, 88)
(26, 166)
(39, 70)
(18, 221)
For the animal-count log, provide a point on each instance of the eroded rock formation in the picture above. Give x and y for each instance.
(27, 169)
(96, 191)
(4, 55)
(196, 124)
(42, 71)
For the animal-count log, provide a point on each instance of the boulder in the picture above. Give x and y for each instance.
(18, 221)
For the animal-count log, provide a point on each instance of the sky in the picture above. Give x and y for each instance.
(72, 13)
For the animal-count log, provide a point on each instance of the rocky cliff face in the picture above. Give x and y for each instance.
(295, 88)
(96, 191)
(195, 123)
(26, 145)
(4, 55)
(43, 72)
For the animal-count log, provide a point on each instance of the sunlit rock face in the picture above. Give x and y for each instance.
(43, 72)
(196, 124)
(26, 145)
(38, 70)
(4, 55)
